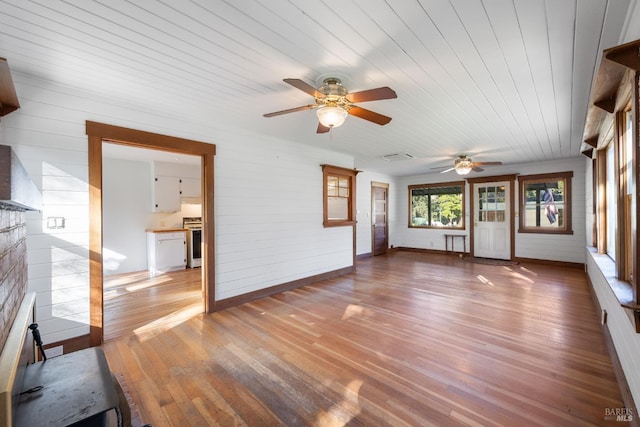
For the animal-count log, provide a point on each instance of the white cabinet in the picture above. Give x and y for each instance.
(171, 182)
(166, 251)
(190, 187)
(166, 194)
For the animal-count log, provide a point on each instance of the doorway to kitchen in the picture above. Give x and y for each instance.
(98, 134)
(152, 215)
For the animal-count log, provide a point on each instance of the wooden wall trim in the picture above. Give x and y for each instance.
(635, 226)
(601, 196)
(266, 292)
(578, 265)
(96, 293)
(208, 233)
(72, 344)
(97, 134)
(158, 141)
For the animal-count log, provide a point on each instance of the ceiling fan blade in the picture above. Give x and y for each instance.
(322, 128)
(447, 170)
(305, 87)
(369, 115)
(487, 163)
(372, 95)
(476, 169)
(291, 110)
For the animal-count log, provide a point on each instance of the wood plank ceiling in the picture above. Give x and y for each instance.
(505, 80)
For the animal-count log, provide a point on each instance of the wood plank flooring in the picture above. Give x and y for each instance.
(134, 302)
(408, 339)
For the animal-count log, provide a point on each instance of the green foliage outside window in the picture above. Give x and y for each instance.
(439, 205)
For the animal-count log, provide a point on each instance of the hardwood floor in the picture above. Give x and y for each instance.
(135, 302)
(408, 339)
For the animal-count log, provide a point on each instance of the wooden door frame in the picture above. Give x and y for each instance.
(373, 211)
(97, 134)
(496, 178)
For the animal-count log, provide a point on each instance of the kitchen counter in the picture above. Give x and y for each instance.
(164, 230)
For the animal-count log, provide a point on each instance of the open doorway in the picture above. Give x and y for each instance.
(98, 134)
(152, 215)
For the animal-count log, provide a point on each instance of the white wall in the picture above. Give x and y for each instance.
(126, 199)
(268, 200)
(567, 248)
(619, 321)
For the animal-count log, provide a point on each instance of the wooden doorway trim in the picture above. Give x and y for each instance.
(97, 134)
(511, 178)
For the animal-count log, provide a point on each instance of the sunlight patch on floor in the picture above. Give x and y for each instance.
(356, 310)
(170, 321)
(484, 280)
(344, 411)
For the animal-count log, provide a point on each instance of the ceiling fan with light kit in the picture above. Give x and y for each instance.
(464, 164)
(333, 103)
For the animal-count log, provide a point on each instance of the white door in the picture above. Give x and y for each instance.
(491, 230)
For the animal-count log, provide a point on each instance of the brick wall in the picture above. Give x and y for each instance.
(13, 266)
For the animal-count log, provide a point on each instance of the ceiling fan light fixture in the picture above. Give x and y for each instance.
(331, 117)
(463, 165)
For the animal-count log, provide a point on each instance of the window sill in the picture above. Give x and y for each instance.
(621, 289)
(338, 223)
(543, 231)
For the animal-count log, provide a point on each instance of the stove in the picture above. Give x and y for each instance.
(193, 225)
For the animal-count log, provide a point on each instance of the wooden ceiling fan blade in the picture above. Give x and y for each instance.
(487, 163)
(477, 169)
(322, 128)
(305, 87)
(369, 115)
(291, 110)
(372, 95)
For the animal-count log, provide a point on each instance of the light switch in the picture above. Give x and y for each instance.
(55, 222)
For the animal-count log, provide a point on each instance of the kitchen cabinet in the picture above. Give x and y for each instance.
(166, 194)
(190, 187)
(169, 190)
(166, 250)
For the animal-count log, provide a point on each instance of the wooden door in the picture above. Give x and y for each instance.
(380, 236)
(491, 222)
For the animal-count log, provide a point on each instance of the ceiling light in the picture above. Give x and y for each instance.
(331, 117)
(463, 165)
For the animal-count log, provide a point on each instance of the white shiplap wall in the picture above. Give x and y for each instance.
(268, 200)
(619, 320)
(568, 248)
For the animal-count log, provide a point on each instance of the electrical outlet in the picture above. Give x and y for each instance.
(54, 351)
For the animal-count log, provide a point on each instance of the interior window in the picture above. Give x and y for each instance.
(437, 205)
(629, 211)
(339, 195)
(545, 203)
(612, 205)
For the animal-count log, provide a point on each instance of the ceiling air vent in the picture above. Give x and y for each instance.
(397, 156)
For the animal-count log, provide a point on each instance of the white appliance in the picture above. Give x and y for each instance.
(193, 225)
(166, 250)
